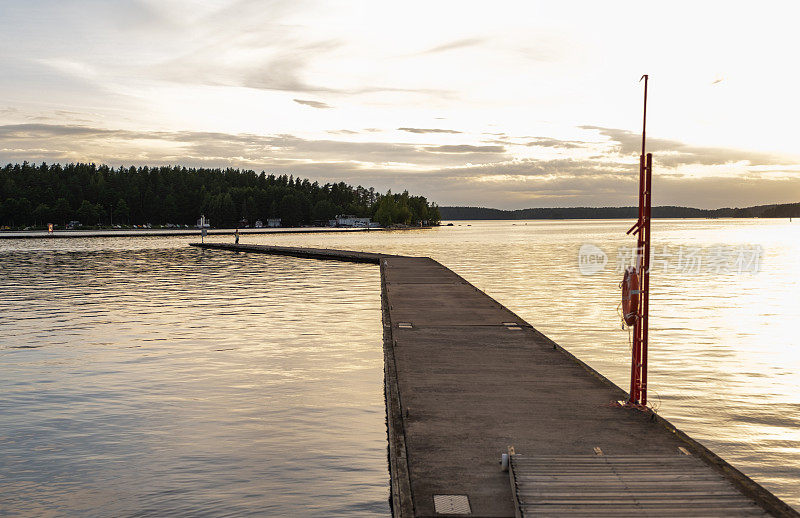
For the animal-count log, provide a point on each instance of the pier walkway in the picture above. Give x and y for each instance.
(466, 378)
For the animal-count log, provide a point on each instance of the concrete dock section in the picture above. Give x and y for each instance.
(466, 379)
(308, 253)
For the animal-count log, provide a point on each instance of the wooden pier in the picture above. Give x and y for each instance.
(466, 378)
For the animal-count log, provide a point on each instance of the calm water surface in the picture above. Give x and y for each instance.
(144, 378)
(169, 382)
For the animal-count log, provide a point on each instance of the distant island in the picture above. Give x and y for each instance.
(787, 210)
(33, 196)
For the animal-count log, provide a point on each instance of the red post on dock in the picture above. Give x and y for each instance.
(638, 392)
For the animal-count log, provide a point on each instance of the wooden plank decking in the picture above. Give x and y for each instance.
(465, 378)
(667, 486)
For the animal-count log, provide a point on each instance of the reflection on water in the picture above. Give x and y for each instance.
(724, 355)
(173, 382)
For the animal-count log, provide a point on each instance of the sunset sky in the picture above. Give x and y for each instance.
(497, 104)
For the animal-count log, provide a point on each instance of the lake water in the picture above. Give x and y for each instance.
(141, 377)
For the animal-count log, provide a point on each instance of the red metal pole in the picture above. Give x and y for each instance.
(637, 326)
(638, 393)
(644, 112)
(645, 306)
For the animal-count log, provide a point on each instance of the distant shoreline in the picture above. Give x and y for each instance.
(43, 234)
(452, 213)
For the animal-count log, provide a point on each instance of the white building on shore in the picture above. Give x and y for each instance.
(349, 220)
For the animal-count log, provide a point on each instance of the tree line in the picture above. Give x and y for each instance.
(34, 195)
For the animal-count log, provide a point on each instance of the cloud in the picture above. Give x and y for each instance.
(530, 141)
(98, 144)
(541, 185)
(532, 168)
(280, 63)
(673, 153)
(71, 67)
(555, 143)
(464, 148)
(313, 104)
(34, 131)
(448, 174)
(284, 69)
(428, 130)
(242, 43)
(459, 44)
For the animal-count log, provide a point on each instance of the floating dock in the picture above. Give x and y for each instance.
(467, 380)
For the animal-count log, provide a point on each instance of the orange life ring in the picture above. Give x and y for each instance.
(630, 296)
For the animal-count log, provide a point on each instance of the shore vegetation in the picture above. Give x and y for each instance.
(101, 196)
